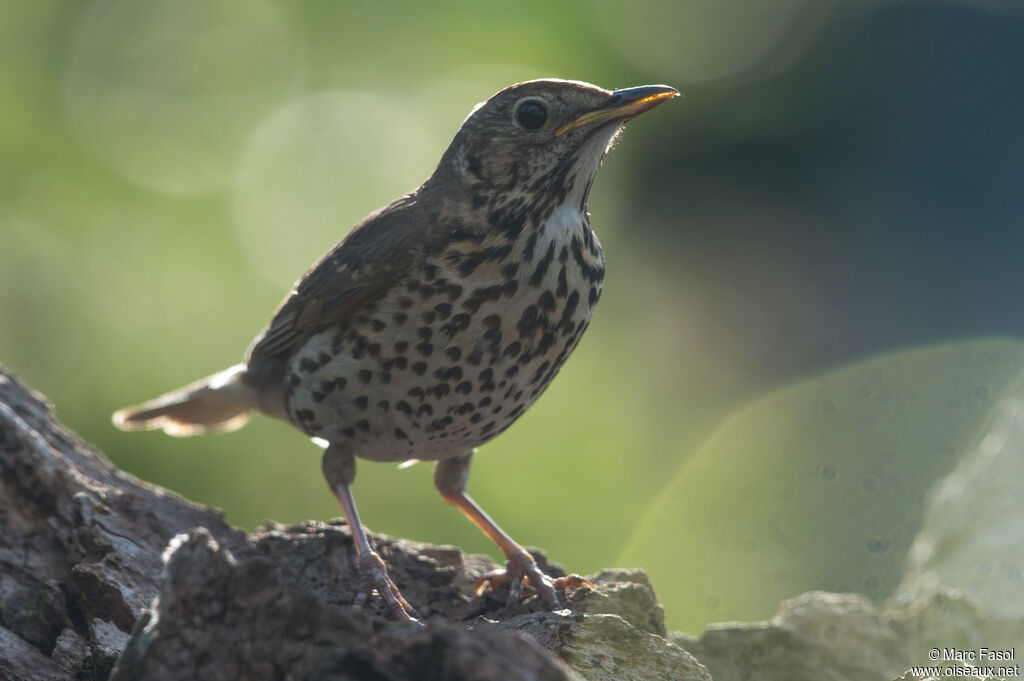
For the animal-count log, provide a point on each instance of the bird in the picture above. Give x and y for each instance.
(438, 319)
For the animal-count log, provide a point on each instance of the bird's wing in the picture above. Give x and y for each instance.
(352, 275)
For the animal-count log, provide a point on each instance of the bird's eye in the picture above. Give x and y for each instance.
(531, 115)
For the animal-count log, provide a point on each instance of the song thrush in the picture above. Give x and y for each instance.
(440, 318)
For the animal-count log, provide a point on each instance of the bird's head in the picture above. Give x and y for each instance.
(542, 139)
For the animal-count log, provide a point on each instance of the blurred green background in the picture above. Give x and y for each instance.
(839, 187)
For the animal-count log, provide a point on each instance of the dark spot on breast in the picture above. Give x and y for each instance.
(486, 402)
(453, 353)
(363, 425)
(308, 365)
(362, 401)
(472, 304)
(493, 338)
(416, 393)
(454, 292)
(528, 321)
(304, 415)
(378, 325)
(510, 270)
(401, 347)
(359, 349)
(475, 418)
(542, 265)
(546, 341)
(349, 432)
(424, 410)
(499, 252)
(373, 349)
(509, 288)
(294, 380)
(443, 310)
(405, 302)
(457, 323)
(365, 375)
(512, 349)
(424, 349)
(539, 372)
(420, 368)
(340, 382)
(491, 293)
(403, 407)
(512, 371)
(570, 308)
(594, 295)
(441, 389)
(531, 245)
(401, 362)
(546, 301)
(563, 255)
(400, 318)
(400, 434)
(471, 261)
(464, 388)
(563, 283)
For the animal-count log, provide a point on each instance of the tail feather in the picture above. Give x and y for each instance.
(217, 403)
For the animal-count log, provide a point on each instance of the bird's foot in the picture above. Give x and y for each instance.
(373, 576)
(520, 567)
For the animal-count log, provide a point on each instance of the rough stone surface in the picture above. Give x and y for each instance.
(80, 547)
(98, 568)
(972, 538)
(821, 636)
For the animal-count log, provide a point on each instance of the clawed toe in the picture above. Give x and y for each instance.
(373, 576)
(521, 567)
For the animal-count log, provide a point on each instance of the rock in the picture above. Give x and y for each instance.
(972, 539)
(81, 544)
(820, 636)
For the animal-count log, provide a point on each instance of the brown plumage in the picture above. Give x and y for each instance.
(440, 318)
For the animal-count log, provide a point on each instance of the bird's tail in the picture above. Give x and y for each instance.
(214, 404)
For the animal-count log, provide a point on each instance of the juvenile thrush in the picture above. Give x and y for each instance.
(440, 318)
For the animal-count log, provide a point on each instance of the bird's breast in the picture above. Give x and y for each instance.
(458, 348)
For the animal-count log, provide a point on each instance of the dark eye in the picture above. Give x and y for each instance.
(531, 115)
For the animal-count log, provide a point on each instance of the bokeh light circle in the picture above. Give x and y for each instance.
(166, 91)
(317, 166)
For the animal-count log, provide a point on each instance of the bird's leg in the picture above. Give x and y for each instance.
(450, 478)
(340, 470)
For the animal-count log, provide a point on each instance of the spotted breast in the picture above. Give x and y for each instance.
(457, 349)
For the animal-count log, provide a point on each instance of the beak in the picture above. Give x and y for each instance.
(622, 106)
